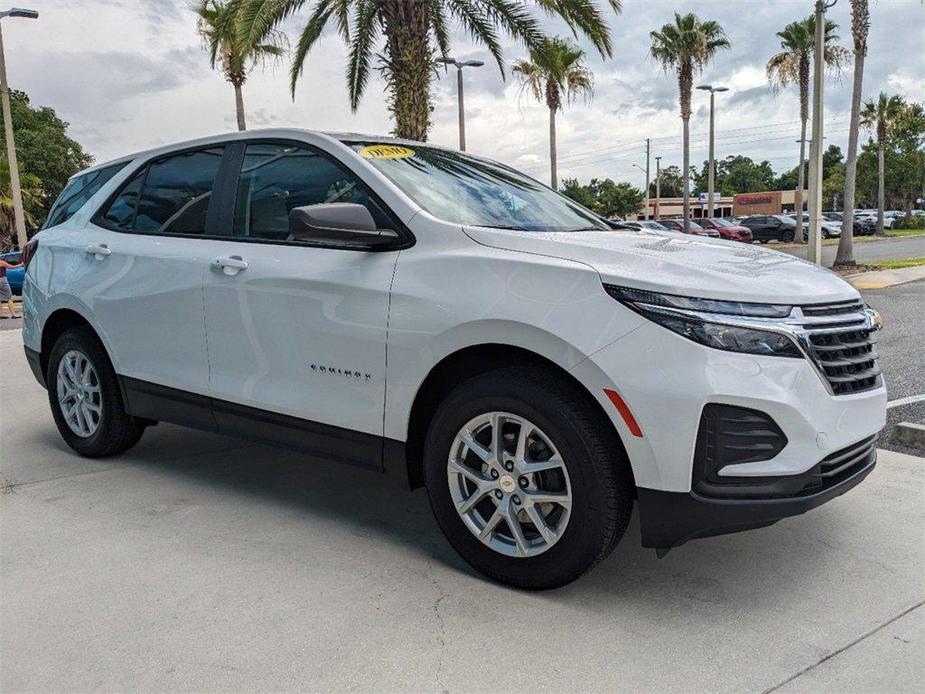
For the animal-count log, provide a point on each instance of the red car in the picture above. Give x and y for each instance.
(695, 229)
(727, 229)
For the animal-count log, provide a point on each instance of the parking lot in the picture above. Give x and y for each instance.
(202, 563)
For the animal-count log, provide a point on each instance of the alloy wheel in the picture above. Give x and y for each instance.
(79, 395)
(509, 484)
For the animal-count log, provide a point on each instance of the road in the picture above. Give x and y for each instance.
(200, 563)
(902, 356)
(869, 251)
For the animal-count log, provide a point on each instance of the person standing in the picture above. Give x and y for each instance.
(6, 293)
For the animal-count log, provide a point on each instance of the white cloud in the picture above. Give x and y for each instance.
(130, 74)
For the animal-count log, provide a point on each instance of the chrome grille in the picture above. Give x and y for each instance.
(841, 340)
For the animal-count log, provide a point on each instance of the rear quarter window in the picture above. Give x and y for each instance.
(76, 193)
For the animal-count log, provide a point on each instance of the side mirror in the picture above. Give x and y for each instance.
(337, 222)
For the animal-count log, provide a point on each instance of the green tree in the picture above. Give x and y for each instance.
(555, 70)
(233, 50)
(672, 183)
(792, 66)
(686, 46)
(577, 192)
(616, 199)
(881, 116)
(31, 188)
(737, 174)
(414, 33)
(44, 150)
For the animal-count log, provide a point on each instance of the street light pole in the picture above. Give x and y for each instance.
(647, 178)
(19, 216)
(460, 64)
(712, 166)
(814, 250)
(658, 186)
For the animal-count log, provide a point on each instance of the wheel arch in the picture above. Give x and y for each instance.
(58, 322)
(458, 367)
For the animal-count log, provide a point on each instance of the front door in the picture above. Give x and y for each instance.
(297, 332)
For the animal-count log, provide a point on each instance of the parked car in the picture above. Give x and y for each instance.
(695, 229)
(14, 275)
(444, 319)
(727, 230)
(646, 224)
(829, 228)
(771, 227)
(833, 216)
(864, 226)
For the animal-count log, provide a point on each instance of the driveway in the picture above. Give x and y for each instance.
(203, 563)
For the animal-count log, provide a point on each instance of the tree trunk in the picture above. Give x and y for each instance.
(859, 20)
(408, 66)
(801, 183)
(685, 175)
(553, 169)
(881, 176)
(239, 105)
(685, 83)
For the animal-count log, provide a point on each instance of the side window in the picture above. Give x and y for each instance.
(169, 196)
(275, 178)
(77, 192)
(121, 212)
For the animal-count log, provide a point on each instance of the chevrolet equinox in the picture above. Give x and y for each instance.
(442, 318)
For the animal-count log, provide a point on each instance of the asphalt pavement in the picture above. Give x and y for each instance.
(867, 252)
(902, 354)
(201, 563)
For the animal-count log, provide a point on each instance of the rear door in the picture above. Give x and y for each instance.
(142, 260)
(297, 330)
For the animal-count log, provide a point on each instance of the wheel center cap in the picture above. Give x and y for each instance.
(507, 483)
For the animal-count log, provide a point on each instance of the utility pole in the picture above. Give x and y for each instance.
(814, 249)
(658, 186)
(19, 215)
(460, 64)
(711, 173)
(647, 178)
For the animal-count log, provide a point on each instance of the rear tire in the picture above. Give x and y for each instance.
(82, 382)
(561, 423)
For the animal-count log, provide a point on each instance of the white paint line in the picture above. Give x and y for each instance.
(905, 401)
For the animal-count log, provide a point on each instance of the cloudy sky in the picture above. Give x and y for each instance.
(131, 74)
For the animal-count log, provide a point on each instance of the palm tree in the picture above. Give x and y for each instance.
(413, 34)
(31, 190)
(553, 70)
(860, 26)
(228, 46)
(687, 46)
(881, 116)
(792, 66)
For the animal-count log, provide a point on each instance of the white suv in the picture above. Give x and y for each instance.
(444, 319)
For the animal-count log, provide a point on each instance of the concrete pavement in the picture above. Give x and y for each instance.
(196, 562)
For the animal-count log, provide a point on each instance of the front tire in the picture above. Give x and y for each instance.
(787, 237)
(85, 398)
(526, 477)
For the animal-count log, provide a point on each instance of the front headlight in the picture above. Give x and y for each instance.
(684, 315)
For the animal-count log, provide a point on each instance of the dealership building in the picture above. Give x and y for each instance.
(768, 202)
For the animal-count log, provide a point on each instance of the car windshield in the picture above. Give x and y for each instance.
(462, 189)
(722, 222)
(653, 225)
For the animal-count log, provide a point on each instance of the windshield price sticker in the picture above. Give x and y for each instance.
(386, 152)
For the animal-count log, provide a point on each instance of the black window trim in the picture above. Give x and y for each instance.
(224, 190)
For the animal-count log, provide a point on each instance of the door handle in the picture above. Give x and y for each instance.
(99, 252)
(230, 264)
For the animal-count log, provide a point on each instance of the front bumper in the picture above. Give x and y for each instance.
(669, 519)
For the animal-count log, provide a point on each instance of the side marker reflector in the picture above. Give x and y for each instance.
(624, 411)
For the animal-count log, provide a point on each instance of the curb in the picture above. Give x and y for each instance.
(909, 434)
(880, 279)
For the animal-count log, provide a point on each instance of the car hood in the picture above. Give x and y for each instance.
(681, 264)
